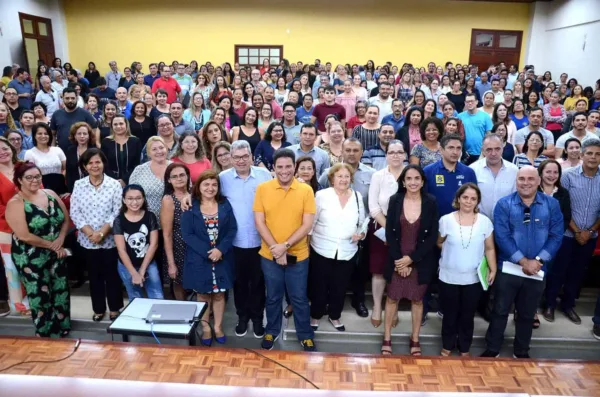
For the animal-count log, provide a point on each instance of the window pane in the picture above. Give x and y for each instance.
(243, 60)
(264, 52)
(43, 29)
(253, 52)
(508, 41)
(27, 26)
(274, 61)
(243, 52)
(31, 47)
(484, 40)
(274, 52)
(254, 61)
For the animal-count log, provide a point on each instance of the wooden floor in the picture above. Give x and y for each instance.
(236, 367)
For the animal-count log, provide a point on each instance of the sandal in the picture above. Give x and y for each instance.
(376, 322)
(386, 347)
(98, 317)
(466, 354)
(445, 353)
(415, 348)
(113, 317)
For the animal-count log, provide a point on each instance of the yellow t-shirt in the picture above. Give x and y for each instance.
(283, 211)
(570, 102)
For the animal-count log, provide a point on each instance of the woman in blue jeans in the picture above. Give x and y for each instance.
(136, 237)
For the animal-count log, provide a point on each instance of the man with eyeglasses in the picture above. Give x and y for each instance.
(476, 124)
(169, 84)
(238, 185)
(12, 101)
(528, 227)
(48, 96)
(113, 76)
(396, 118)
(568, 270)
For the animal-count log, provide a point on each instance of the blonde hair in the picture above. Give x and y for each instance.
(112, 132)
(9, 118)
(337, 167)
(221, 144)
(151, 141)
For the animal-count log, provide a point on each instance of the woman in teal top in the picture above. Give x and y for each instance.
(197, 115)
(40, 222)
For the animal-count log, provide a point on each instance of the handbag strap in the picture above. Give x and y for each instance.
(357, 209)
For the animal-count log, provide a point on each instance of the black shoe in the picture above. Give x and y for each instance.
(258, 328)
(361, 309)
(548, 314)
(424, 320)
(339, 327)
(490, 354)
(572, 316)
(308, 345)
(596, 331)
(524, 355)
(241, 328)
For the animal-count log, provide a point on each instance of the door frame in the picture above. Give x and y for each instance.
(495, 50)
(49, 38)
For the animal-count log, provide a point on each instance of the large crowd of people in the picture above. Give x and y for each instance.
(458, 189)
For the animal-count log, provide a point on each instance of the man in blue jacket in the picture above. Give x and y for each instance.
(528, 226)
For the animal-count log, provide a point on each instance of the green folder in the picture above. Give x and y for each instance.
(483, 270)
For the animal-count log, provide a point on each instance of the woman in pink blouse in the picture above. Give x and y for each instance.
(348, 99)
(191, 153)
(554, 115)
(410, 134)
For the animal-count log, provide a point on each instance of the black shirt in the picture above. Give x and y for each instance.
(137, 235)
(62, 121)
(143, 130)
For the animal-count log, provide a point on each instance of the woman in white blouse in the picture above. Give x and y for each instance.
(51, 160)
(465, 238)
(383, 186)
(334, 241)
(95, 204)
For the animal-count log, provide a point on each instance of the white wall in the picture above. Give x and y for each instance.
(11, 41)
(564, 36)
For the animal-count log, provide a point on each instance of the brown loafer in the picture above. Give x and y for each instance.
(572, 316)
(548, 314)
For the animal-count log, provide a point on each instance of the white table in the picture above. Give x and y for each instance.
(132, 321)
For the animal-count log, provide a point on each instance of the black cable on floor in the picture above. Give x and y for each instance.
(283, 366)
(77, 343)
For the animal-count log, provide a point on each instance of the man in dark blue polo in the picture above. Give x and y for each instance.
(443, 178)
(149, 79)
(23, 88)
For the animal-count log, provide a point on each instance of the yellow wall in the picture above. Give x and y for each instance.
(340, 31)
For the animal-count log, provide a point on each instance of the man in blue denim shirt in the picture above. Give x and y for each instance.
(528, 226)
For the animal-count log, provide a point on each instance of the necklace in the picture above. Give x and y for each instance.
(462, 242)
(99, 183)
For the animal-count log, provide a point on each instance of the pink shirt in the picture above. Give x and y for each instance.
(195, 168)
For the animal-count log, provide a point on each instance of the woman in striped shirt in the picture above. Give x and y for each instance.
(532, 151)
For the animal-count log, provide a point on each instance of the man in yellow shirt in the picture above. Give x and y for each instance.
(284, 210)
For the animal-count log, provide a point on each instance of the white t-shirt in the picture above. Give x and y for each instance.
(48, 163)
(458, 265)
(560, 143)
(519, 138)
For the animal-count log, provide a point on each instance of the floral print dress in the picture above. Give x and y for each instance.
(42, 273)
(212, 228)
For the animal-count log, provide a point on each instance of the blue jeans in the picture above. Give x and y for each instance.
(295, 279)
(152, 283)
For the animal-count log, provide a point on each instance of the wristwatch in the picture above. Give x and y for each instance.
(287, 245)
(537, 258)
(101, 235)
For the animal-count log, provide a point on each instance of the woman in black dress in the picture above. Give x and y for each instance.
(411, 233)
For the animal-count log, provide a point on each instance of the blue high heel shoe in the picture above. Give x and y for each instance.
(206, 342)
(221, 339)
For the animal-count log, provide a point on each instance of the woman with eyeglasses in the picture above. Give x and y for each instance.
(359, 118)
(221, 158)
(177, 188)
(501, 115)
(532, 151)
(274, 139)
(16, 140)
(197, 115)
(166, 130)
(40, 222)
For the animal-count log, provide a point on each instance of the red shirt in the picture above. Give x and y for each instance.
(323, 110)
(170, 85)
(240, 111)
(353, 122)
(196, 168)
(277, 111)
(7, 191)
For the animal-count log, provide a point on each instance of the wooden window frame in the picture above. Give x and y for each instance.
(237, 47)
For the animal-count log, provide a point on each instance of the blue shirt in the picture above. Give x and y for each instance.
(374, 157)
(520, 123)
(443, 183)
(540, 236)
(240, 193)
(482, 88)
(149, 80)
(584, 192)
(304, 115)
(476, 125)
(397, 123)
(316, 153)
(22, 88)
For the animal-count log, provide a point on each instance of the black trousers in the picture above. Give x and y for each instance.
(328, 280)
(105, 283)
(361, 276)
(249, 285)
(526, 294)
(459, 303)
(3, 282)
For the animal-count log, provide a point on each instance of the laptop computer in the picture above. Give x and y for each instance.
(171, 314)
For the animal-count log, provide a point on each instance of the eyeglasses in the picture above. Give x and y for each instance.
(16, 139)
(220, 156)
(534, 141)
(396, 153)
(288, 111)
(245, 157)
(163, 125)
(180, 176)
(30, 178)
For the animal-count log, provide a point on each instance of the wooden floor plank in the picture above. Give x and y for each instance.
(237, 367)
